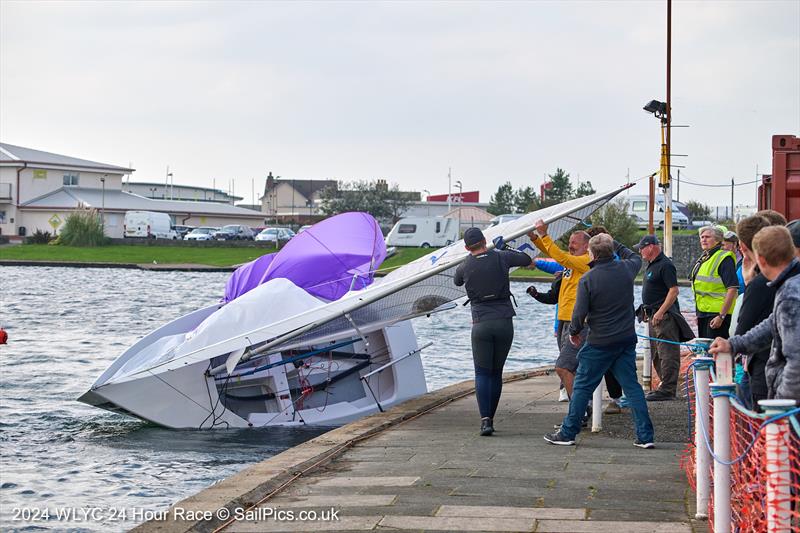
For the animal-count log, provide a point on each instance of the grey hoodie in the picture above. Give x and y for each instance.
(782, 329)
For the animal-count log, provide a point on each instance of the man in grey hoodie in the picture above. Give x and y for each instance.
(775, 255)
(605, 304)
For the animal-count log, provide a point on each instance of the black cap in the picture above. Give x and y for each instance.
(646, 241)
(473, 236)
(794, 229)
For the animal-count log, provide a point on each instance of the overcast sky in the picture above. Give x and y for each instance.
(224, 91)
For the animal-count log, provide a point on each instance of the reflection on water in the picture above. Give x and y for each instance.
(67, 325)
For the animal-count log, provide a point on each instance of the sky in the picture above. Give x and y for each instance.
(225, 92)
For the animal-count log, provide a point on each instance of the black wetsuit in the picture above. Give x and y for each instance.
(486, 278)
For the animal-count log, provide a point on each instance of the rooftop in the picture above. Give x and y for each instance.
(11, 155)
(115, 200)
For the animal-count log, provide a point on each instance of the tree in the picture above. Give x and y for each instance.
(373, 197)
(585, 189)
(698, 210)
(561, 190)
(526, 200)
(614, 216)
(503, 201)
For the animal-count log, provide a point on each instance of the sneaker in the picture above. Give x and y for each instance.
(563, 396)
(658, 396)
(645, 445)
(558, 439)
(612, 408)
(487, 427)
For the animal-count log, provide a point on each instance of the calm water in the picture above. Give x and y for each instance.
(67, 325)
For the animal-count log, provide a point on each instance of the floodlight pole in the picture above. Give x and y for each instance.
(666, 121)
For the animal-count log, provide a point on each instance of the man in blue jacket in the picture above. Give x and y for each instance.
(605, 304)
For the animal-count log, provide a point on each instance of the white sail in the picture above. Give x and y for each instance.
(417, 288)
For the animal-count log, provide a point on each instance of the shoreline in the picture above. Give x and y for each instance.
(193, 267)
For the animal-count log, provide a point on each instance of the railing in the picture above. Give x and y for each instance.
(744, 466)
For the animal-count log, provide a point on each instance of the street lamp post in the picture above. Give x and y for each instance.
(103, 202)
(661, 111)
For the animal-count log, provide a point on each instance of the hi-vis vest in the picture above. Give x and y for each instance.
(709, 291)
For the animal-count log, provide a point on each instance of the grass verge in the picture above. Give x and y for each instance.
(120, 253)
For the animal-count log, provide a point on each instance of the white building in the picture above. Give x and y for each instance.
(38, 191)
(163, 191)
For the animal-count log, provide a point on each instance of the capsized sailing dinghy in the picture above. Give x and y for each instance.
(305, 336)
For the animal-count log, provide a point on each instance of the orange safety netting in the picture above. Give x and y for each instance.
(765, 470)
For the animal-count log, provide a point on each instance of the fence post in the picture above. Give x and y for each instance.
(779, 478)
(722, 452)
(647, 364)
(597, 409)
(702, 366)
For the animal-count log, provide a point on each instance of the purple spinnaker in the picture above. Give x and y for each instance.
(327, 260)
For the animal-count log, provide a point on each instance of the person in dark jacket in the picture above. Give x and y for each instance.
(775, 255)
(485, 274)
(660, 309)
(757, 303)
(605, 304)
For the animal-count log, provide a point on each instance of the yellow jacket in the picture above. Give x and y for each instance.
(575, 266)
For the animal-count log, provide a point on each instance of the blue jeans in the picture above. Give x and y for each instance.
(594, 362)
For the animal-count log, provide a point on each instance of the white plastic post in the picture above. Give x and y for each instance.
(779, 482)
(597, 409)
(702, 459)
(647, 364)
(722, 451)
(723, 368)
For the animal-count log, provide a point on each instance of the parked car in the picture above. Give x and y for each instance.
(148, 224)
(303, 228)
(234, 232)
(278, 236)
(423, 232)
(182, 231)
(201, 234)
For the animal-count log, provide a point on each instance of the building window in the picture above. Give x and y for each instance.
(407, 228)
(71, 179)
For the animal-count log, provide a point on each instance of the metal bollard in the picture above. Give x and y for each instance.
(722, 452)
(597, 409)
(701, 419)
(779, 479)
(647, 364)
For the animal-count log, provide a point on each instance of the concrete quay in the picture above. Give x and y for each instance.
(423, 466)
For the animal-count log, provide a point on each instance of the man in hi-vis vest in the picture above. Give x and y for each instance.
(715, 285)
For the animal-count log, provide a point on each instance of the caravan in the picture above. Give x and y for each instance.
(637, 208)
(425, 232)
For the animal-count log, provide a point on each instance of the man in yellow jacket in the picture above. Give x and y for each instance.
(576, 264)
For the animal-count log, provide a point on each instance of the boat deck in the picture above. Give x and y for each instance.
(422, 466)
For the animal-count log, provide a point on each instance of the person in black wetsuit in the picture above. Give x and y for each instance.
(485, 274)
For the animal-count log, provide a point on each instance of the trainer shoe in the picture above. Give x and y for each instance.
(487, 427)
(562, 395)
(612, 408)
(559, 439)
(645, 445)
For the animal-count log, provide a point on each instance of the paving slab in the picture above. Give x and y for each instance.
(407, 471)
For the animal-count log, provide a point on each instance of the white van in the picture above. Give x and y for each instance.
(425, 232)
(637, 208)
(148, 224)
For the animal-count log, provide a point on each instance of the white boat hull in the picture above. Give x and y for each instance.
(190, 398)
